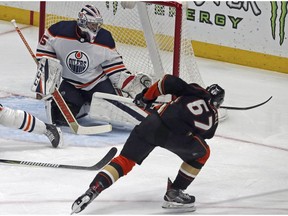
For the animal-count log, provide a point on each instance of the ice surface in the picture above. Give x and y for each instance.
(246, 173)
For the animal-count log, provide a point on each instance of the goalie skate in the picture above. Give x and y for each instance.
(55, 135)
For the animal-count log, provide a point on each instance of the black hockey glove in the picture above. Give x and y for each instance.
(141, 102)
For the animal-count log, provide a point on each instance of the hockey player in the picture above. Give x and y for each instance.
(24, 121)
(90, 63)
(180, 126)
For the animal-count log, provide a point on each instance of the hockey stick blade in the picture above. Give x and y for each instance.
(105, 160)
(246, 108)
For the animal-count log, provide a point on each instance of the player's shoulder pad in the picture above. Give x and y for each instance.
(197, 90)
(63, 28)
(105, 38)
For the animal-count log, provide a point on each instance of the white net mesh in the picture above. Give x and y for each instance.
(128, 33)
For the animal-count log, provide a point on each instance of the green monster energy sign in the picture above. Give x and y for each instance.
(279, 10)
(282, 17)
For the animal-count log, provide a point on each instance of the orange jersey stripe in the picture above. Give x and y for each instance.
(152, 92)
(42, 55)
(28, 123)
(89, 83)
(114, 68)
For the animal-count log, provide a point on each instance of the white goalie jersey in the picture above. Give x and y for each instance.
(85, 64)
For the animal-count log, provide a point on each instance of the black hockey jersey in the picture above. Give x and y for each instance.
(190, 113)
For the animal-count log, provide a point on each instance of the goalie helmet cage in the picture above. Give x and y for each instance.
(152, 37)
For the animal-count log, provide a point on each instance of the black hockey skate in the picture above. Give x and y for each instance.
(55, 136)
(177, 199)
(84, 200)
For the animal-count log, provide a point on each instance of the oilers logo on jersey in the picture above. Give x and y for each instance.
(77, 61)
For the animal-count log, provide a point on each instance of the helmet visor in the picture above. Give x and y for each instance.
(92, 25)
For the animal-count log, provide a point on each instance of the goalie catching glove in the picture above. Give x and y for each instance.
(48, 76)
(131, 84)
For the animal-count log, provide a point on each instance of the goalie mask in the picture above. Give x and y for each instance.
(89, 21)
(217, 95)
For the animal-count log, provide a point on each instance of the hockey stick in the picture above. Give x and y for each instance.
(24, 40)
(130, 101)
(38, 96)
(65, 110)
(105, 160)
(246, 108)
(124, 100)
(114, 97)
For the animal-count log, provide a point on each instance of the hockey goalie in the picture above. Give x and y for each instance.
(80, 58)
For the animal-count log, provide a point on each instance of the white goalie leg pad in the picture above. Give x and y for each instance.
(84, 110)
(22, 120)
(103, 110)
(48, 76)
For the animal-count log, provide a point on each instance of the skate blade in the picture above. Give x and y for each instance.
(173, 206)
(77, 208)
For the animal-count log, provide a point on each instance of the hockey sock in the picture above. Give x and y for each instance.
(118, 167)
(186, 175)
(188, 172)
(22, 120)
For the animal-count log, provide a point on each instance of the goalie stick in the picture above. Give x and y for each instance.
(105, 160)
(71, 120)
(65, 110)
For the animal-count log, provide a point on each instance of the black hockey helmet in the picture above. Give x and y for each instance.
(217, 95)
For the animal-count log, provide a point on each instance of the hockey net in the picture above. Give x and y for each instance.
(152, 37)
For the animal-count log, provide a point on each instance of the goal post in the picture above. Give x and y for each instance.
(42, 11)
(152, 37)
